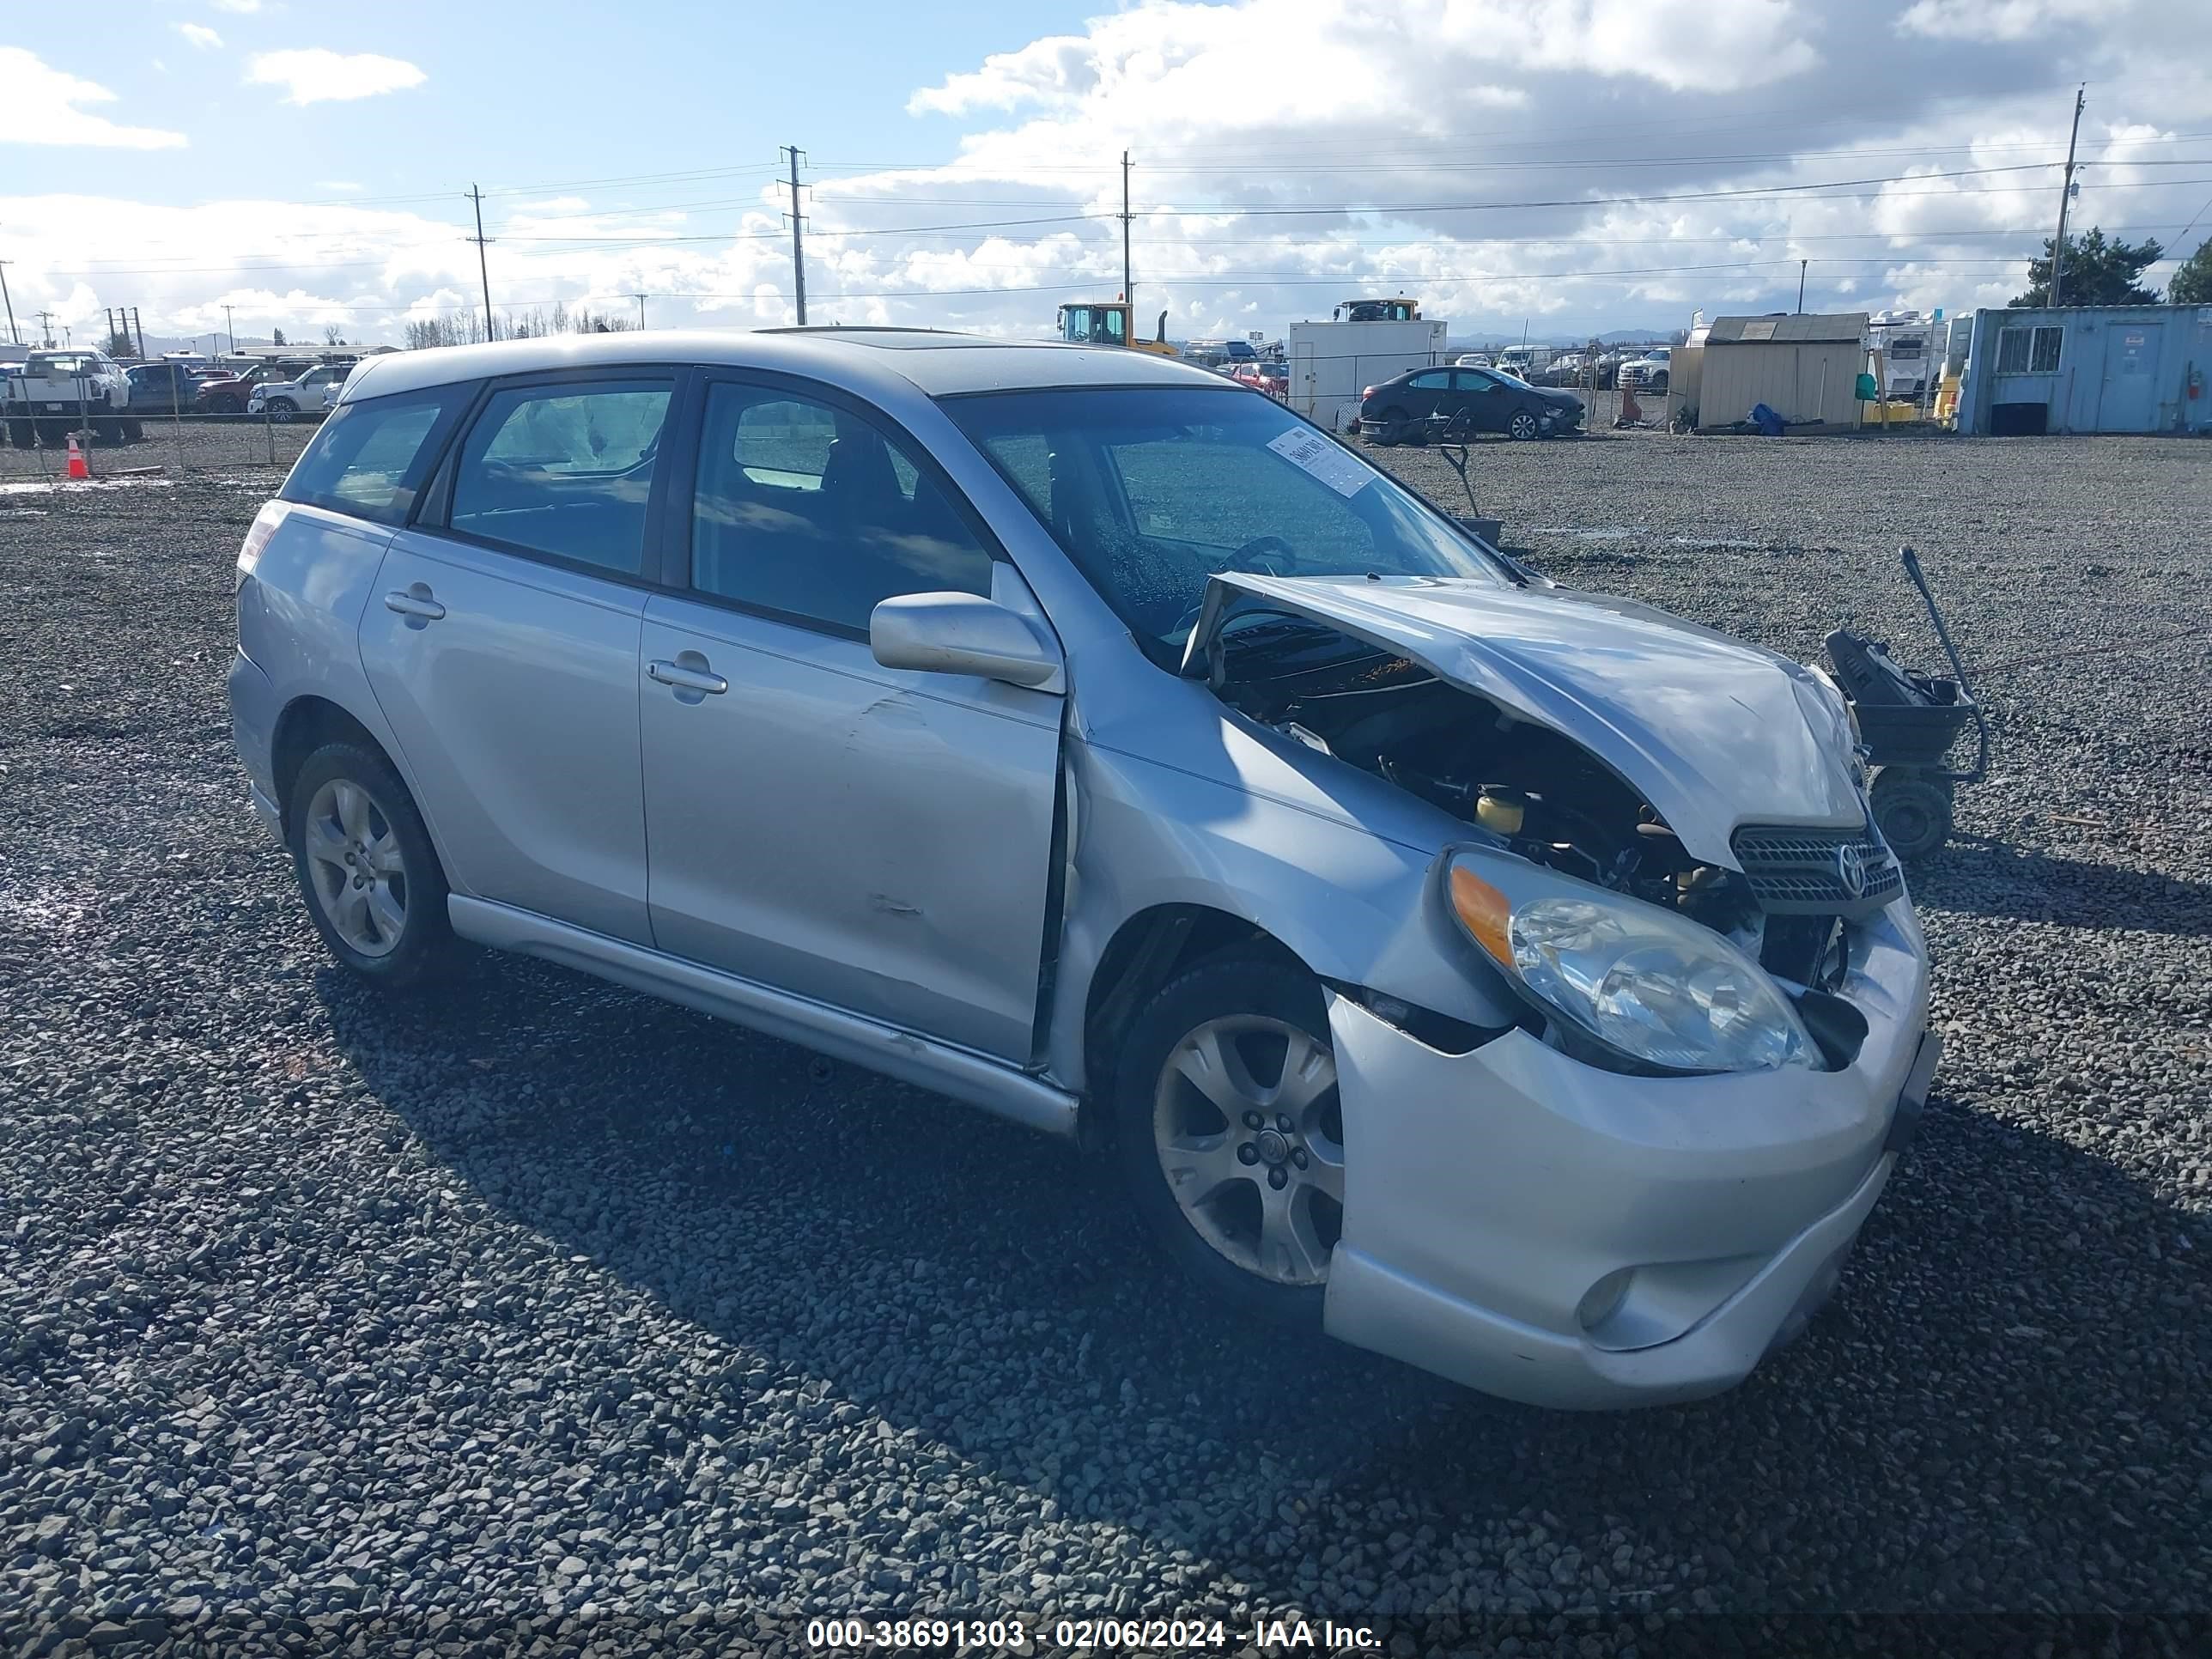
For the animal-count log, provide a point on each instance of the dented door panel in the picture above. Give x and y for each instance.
(877, 839)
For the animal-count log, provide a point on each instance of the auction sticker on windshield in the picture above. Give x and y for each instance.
(1314, 453)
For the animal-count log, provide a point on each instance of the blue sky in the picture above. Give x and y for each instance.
(517, 95)
(1570, 166)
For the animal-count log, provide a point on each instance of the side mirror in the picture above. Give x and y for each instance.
(960, 634)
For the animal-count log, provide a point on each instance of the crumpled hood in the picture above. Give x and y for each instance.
(1713, 732)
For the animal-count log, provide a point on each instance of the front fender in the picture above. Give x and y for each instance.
(1355, 906)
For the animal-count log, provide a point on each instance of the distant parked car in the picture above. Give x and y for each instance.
(1402, 407)
(283, 400)
(162, 388)
(229, 393)
(1271, 378)
(1649, 372)
(1472, 360)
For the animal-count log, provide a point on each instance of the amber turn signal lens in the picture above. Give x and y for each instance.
(1483, 911)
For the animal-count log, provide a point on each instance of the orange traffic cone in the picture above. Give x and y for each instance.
(77, 469)
(1629, 410)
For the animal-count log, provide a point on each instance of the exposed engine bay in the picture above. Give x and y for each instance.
(1547, 798)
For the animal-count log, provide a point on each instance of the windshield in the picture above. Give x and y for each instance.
(1152, 490)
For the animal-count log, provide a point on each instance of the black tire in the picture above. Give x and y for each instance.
(54, 432)
(1241, 981)
(226, 405)
(1393, 421)
(1657, 385)
(280, 410)
(23, 434)
(1911, 810)
(108, 429)
(1523, 426)
(133, 430)
(423, 946)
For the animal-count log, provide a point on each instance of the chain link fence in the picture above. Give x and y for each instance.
(177, 442)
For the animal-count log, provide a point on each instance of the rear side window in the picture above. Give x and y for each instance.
(564, 470)
(370, 458)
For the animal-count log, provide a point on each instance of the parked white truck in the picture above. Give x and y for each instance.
(52, 394)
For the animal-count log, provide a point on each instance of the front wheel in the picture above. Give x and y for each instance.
(1523, 426)
(1229, 1133)
(373, 886)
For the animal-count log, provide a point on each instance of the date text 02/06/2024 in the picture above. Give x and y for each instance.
(1294, 1635)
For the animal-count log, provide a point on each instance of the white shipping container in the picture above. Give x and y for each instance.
(1330, 363)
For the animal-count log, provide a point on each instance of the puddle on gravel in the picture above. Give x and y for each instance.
(73, 486)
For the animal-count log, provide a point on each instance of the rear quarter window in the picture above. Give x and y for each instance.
(370, 458)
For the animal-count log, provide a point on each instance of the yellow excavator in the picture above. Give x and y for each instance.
(1107, 322)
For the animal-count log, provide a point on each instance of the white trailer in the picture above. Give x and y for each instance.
(1909, 343)
(1329, 363)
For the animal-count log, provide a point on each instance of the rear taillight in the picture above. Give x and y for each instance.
(265, 525)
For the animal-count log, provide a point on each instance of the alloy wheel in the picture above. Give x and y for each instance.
(358, 870)
(1250, 1136)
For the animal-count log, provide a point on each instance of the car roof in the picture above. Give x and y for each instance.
(939, 364)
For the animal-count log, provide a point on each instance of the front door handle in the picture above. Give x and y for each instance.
(414, 601)
(688, 676)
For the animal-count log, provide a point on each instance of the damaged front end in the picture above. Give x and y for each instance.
(1587, 740)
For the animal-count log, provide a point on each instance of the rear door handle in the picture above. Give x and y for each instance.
(414, 601)
(685, 677)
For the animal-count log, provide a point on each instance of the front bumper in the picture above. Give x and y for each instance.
(1486, 1194)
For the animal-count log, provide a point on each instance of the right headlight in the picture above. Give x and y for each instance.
(1644, 982)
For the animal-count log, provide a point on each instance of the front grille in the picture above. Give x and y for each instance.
(1795, 872)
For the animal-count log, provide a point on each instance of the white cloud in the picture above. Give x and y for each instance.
(2000, 20)
(200, 35)
(237, 5)
(1565, 164)
(40, 103)
(315, 74)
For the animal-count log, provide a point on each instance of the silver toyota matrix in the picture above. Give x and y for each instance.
(1501, 977)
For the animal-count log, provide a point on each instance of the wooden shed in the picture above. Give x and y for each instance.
(1805, 368)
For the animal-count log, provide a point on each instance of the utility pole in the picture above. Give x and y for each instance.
(2065, 195)
(1801, 286)
(14, 338)
(1128, 288)
(640, 298)
(797, 248)
(139, 328)
(45, 328)
(229, 331)
(491, 330)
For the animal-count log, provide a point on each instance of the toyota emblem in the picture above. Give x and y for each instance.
(1851, 869)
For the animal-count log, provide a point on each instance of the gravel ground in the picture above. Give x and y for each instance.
(543, 1311)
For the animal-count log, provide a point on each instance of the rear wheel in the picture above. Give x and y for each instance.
(373, 886)
(1229, 1133)
(282, 410)
(1392, 424)
(22, 434)
(1523, 425)
(53, 433)
(133, 430)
